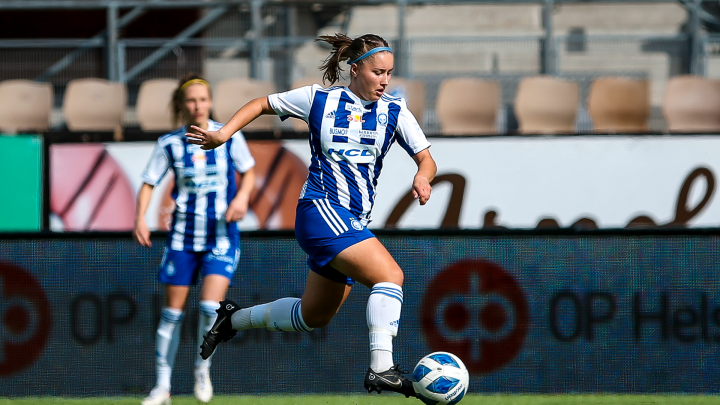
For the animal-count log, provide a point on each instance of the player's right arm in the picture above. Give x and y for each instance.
(154, 172)
(141, 233)
(245, 115)
(294, 103)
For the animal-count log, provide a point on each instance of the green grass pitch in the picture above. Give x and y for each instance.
(389, 400)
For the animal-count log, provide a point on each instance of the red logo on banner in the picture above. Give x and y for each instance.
(476, 310)
(24, 319)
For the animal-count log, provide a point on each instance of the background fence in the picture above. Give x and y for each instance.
(500, 40)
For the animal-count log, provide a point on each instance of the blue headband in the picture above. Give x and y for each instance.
(370, 52)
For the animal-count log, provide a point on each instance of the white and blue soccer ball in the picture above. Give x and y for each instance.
(440, 378)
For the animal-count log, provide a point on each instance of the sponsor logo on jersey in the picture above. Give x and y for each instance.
(194, 185)
(199, 157)
(354, 109)
(368, 134)
(382, 118)
(331, 114)
(355, 118)
(354, 153)
(338, 131)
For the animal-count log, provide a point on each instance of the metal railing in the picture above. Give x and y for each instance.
(232, 38)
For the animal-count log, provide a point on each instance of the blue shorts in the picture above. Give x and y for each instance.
(324, 229)
(182, 268)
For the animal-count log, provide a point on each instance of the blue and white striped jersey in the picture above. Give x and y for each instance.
(204, 186)
(349, 138)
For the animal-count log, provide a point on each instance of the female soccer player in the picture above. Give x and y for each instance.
(351, 131)
(204, 238)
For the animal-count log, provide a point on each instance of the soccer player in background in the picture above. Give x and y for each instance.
(204, 239)
(351, 131)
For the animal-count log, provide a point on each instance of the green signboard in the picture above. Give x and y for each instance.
(21, 168)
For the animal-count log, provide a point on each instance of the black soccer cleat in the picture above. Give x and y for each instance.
(221, 330)
(390, 380)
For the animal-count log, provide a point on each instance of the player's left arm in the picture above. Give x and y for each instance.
(425, 174)
(240, 204)
(413, 139)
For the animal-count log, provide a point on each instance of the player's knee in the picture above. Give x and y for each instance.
(317, 320)
(395, 276)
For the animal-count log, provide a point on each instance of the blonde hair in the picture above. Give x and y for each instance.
(178, 96)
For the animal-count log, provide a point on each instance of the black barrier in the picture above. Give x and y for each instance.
(547, 312)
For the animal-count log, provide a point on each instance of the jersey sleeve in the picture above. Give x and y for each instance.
(411, 136)
(242, 158)
(157, 166)
(294, 103)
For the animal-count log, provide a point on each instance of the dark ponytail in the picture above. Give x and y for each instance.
(346, 49)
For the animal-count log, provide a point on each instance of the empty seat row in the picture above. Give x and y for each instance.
(88, 104)
(466, 105)
(547, 104)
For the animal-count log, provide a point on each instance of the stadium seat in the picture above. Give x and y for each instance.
(153, 104)
(25, 106)
(619, 104)
(692, 104)
(467, 106)
(94, 105)
(413, 91)
(546, 105)
(231, 94)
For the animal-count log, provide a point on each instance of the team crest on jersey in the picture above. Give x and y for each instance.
(382, 118)
(356, 224)
(331, 114)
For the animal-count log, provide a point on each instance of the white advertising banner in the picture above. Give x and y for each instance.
(517, 182)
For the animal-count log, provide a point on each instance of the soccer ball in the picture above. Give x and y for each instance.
(440, 378)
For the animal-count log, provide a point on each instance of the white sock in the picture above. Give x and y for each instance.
(383, 318)
(281, 315)
(241, 319)
(205, 322)
(166, 342)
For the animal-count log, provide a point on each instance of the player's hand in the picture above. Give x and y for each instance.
(206, 139)
(141, 234)
(421, 189)
(236, 210)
